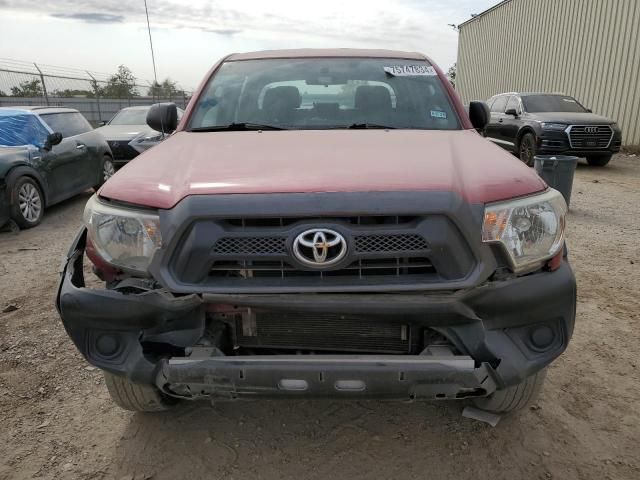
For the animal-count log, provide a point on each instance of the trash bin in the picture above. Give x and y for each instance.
(557, 171)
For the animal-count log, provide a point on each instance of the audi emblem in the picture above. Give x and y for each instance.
(591, 129)
(319, 247)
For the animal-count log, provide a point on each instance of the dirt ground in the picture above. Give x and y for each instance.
(56, 419)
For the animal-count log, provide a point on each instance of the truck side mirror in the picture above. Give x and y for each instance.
(511, 111)
(479, 114)
(163, 117)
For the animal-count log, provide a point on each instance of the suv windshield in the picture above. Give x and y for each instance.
(130, 117)
(551, 103)
(325, 93)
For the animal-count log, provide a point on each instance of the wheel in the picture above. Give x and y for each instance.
(27, 202)
(136, 397)
(106, 171)
(598, 160)
(513, 398)
(527, 148)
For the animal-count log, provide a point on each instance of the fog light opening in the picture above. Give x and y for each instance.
(542, 337)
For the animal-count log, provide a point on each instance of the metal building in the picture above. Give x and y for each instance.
(589, 49)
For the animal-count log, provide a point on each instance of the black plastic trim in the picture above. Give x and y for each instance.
(451, 227)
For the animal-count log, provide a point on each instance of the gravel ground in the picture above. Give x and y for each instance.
(56, 419)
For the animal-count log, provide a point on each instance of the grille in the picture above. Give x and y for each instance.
(590, 136)
(389, 243)
(323, 332)
(353, 220)
(395, 267)
(250, 246)
(277, 245)
(122, 151)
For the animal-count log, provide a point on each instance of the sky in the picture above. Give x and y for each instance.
(189, 36)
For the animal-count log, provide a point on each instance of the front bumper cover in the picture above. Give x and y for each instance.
(492, 326)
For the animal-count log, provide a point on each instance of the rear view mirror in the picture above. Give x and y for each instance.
(163, 117)
(52, 139)
(479, 115)
(511, 111)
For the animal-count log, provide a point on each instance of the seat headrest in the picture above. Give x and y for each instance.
(281, 98)
(372, 98)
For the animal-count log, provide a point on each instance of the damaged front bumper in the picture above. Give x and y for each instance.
(502, 331)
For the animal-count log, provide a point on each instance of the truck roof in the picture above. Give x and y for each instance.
(326, 52)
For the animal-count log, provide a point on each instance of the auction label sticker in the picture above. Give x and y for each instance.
(439, 114)
(411, 70)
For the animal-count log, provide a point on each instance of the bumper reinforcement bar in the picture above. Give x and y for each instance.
(378, 376)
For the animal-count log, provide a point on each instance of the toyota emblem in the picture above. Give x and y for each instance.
(319, 247)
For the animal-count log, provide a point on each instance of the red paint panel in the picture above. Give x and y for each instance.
(321, 161)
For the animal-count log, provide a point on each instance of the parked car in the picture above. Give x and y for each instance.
(47, 154)
(367, 244)
(127, 125)
(529, 124)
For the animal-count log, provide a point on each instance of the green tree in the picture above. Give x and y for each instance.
(166, 89)
(451, 74)
(121, 84)
(28, 88)
(2, 94)
(67, 93)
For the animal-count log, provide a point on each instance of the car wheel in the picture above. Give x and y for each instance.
(136, 397)
(598, 160)
(515, 397)
(107, 169)
(27, 202)
(527, 148)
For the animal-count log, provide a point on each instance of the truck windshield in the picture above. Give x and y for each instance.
(325, 93)
(551, 103)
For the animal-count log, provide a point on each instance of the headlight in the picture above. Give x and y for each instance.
(125, 238)
(145, 141)
(530, 229)
(554, 126)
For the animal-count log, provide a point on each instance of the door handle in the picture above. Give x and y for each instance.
(500, 121)
(81, 146)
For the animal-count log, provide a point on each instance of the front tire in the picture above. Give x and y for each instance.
(107, 169)
(527, 149)
(515, 397)
(136, 397)
(599, 160)
(27, 202)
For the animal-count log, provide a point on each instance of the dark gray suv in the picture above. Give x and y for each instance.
(529, 124)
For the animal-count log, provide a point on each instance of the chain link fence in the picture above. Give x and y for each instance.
(98, 96)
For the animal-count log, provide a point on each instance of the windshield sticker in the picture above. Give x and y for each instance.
(438, 114)
(411, 70)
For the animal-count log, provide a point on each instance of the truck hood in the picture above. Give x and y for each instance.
(571, 118)
(123, 132)
(198, 163)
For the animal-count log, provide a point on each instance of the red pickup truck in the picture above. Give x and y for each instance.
(322, 223)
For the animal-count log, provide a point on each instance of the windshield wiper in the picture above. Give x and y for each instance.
(363, 126)
(237, 127)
